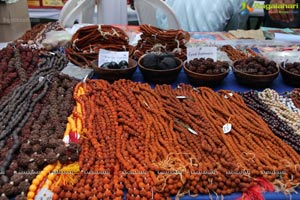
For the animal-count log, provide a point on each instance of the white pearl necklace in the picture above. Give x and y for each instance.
(289, 103)
(271, 99)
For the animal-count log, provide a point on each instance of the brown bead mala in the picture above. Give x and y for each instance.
(132, 147)
(154, 39)
(277, 125)
(36, 113)
(38, 32)
(161, 142)
(211, 181)
(249, 127)
(97, 160)
(88, 40)
(233, 54)
(17, 63)
(252, 53)
(272, 100)
(32, 33)
(268, 139)
(295, 96)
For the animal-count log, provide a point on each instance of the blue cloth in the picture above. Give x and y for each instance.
(229, 83)
(234, 196)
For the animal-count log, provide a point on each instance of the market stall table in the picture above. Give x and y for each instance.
(234, 196)
(229, 83)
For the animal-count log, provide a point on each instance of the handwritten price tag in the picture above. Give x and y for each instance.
(201, 52)
(227, 128)
(66, 139)
(110, 56)
(44, 194)
(230, 94)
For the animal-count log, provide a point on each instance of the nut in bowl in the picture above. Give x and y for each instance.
(206, 72)
(255, 71)
(160, 68)
(114, 71)
(290, 73)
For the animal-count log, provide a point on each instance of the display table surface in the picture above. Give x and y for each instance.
(229, 83)
(234, 196)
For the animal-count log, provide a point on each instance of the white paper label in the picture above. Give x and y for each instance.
(227, 128)
(44, 194)
(41, 78)
(110, 56)
(226, 97)
(192, 131)
(181, 97)
(66, 139)
(201, 52)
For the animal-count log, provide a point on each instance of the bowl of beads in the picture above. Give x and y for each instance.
(255, 71)
(290, 73)
(206, 72)
(161, 68)
(112, 71)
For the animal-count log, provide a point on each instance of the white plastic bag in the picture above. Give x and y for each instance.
(56, 39)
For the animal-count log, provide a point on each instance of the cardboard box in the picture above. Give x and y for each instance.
(14, 20)
(53, 3)
(46, 3)
(34, 3)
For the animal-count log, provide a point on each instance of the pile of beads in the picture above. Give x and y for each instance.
(295, 96)
(88, 40)
(271, 99)
(276, 124)
(159, 142)
(33, 118)
(156, 40)
(288, 102)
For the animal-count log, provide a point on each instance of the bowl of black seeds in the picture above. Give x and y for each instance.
(112, 71)
(161, 68)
